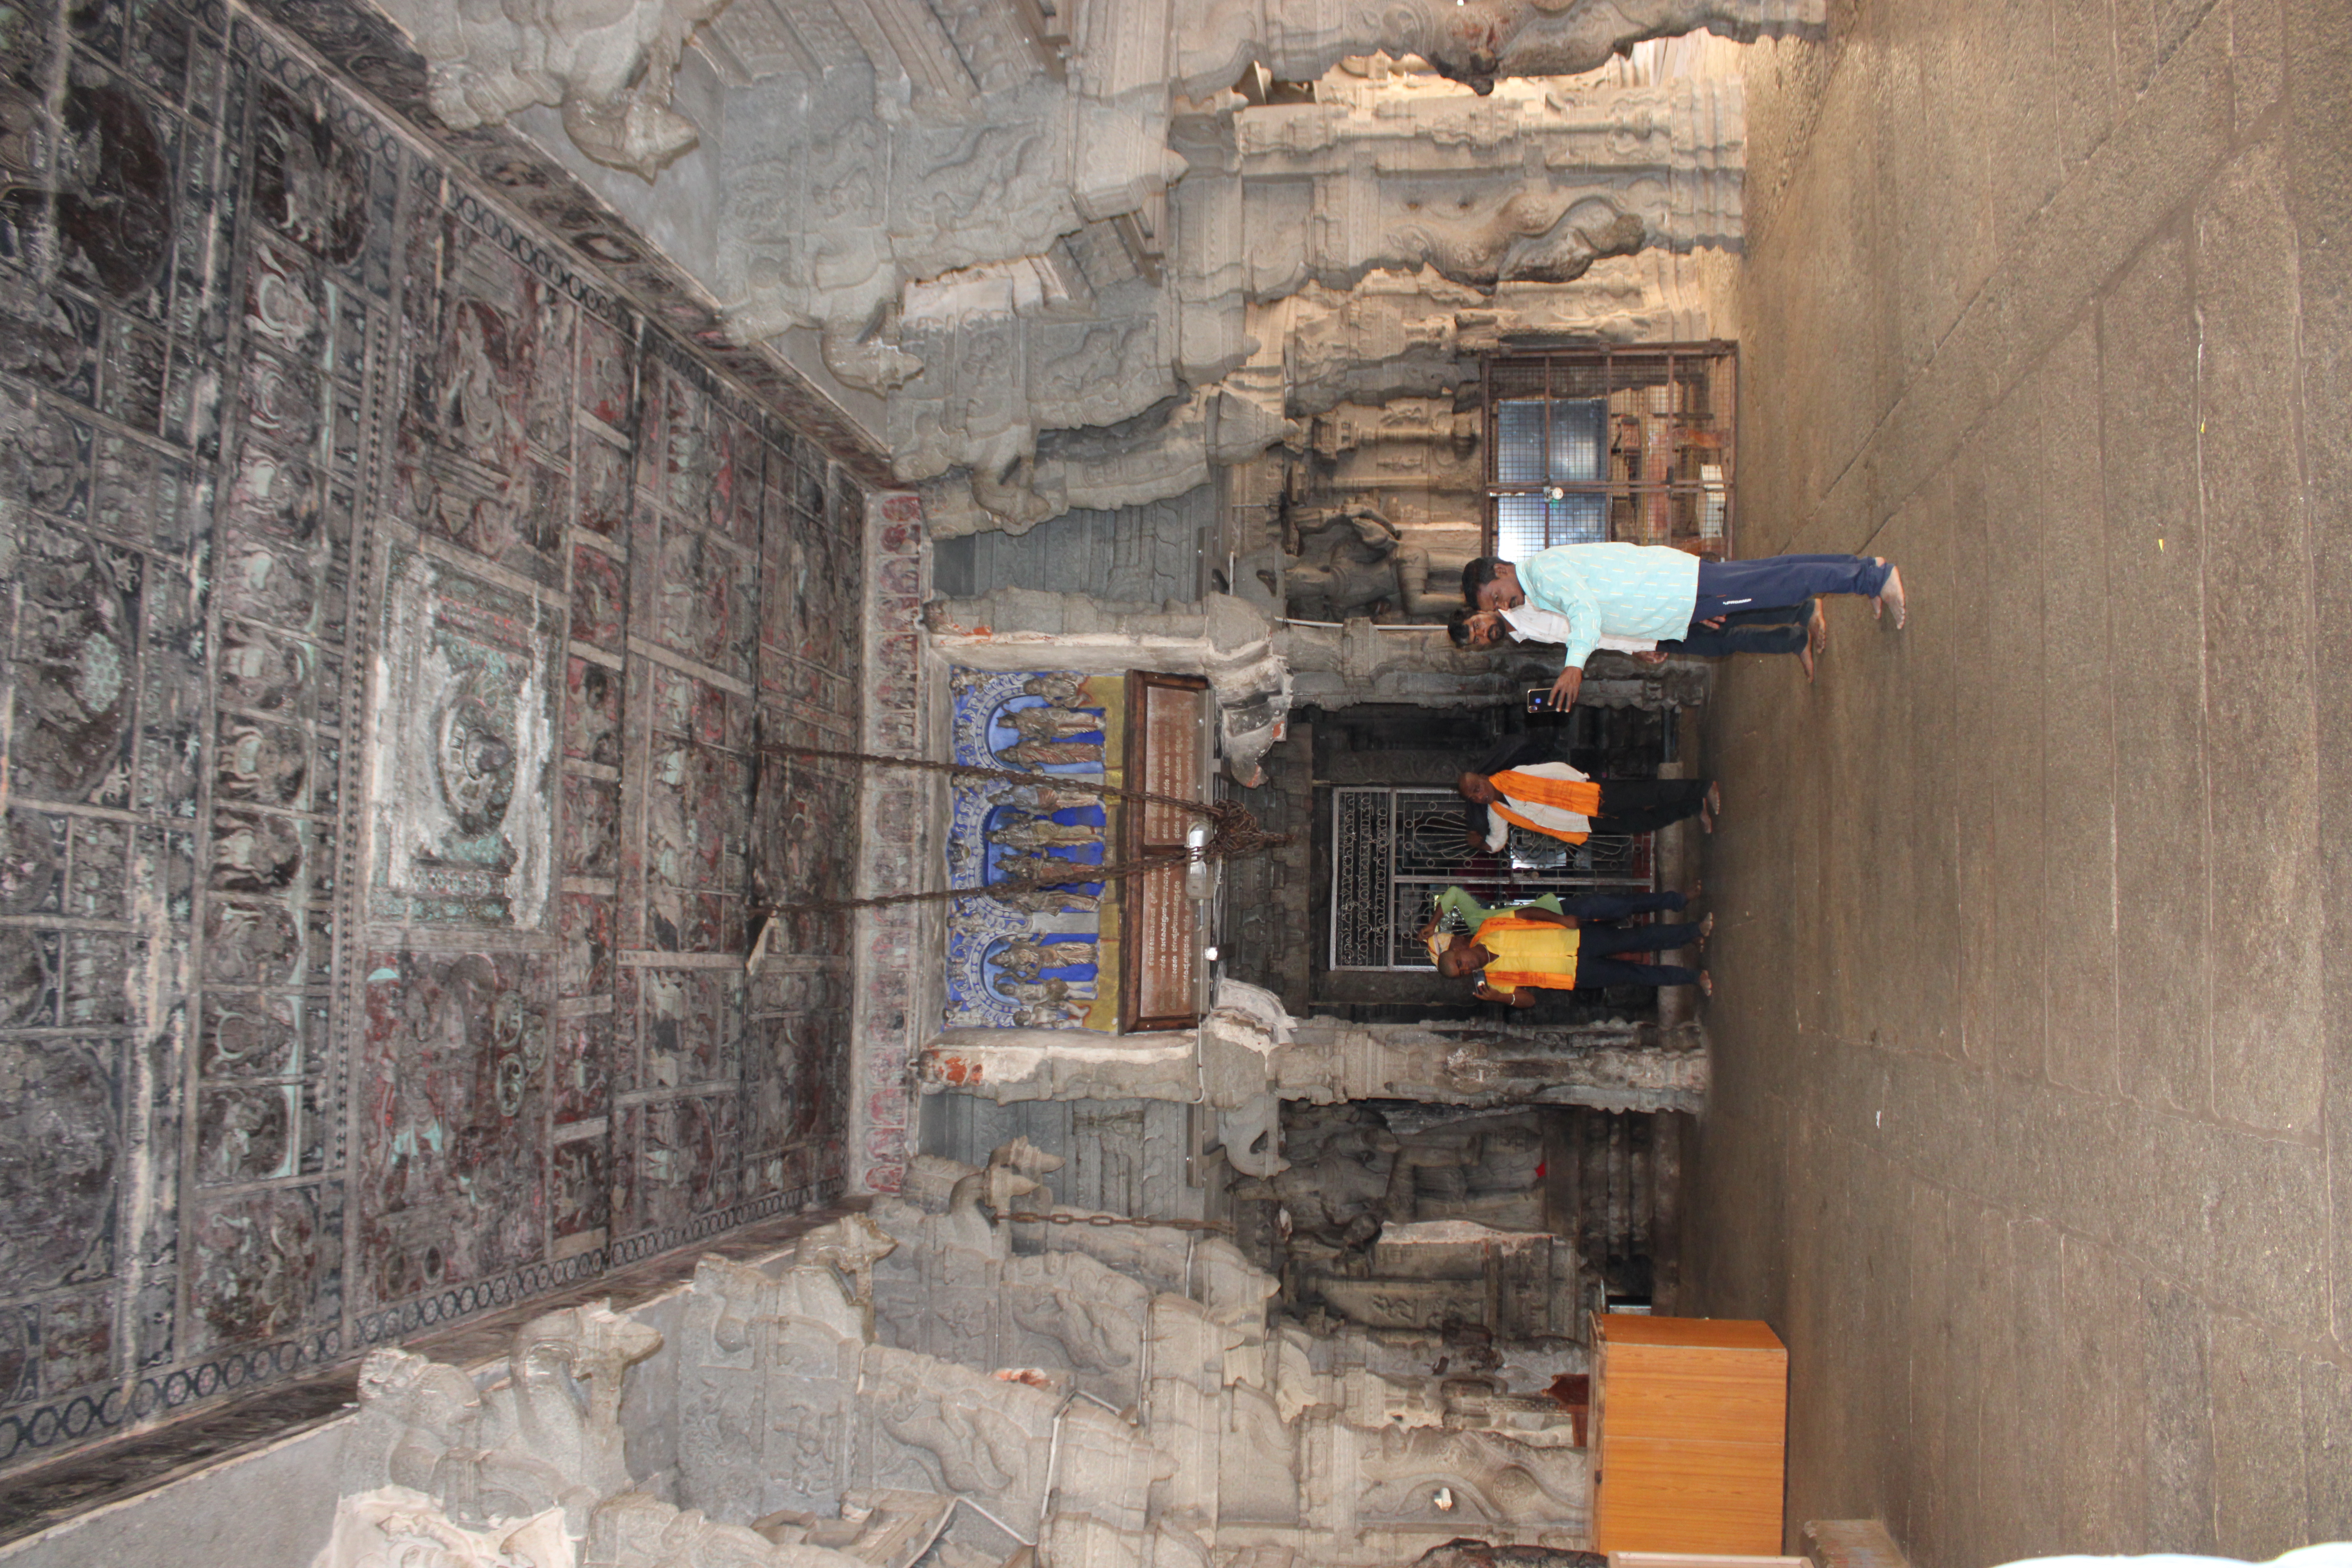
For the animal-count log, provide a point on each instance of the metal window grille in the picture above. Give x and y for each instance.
(1632, 444)
(1392, 849)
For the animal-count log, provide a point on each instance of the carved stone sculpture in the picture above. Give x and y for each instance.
(975, 260)
(1109, 1397)
(1408, 334)
(1352, 561)
(606, 64)
(434, 1472)
(526, 1445)
(396, 1526)
(1492, 1479)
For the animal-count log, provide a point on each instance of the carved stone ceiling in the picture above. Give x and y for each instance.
(1084, 252)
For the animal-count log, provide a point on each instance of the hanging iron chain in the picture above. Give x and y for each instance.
(1234, 831)
(1057, 782)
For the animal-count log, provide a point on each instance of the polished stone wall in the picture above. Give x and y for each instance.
(395, 611)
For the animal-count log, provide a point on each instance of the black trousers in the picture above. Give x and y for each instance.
(1644, 805)
(1596, 963)
(1617, 906)
(1780, 630)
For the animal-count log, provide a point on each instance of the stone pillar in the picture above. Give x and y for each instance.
(1341, 667)
(1536, 182)
(1615, 1066)
(1610, 1067)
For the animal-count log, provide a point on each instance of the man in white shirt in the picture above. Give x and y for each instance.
(1519, 784)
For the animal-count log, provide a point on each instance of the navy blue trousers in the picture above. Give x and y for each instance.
(1725, 588)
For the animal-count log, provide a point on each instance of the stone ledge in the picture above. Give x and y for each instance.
(1852, 1543)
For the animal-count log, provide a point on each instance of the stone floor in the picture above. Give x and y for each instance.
(2032, 1121)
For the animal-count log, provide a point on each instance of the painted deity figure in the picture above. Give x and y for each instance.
(1042, 832)
(1025, 957)
(1046, 900)
(1059, 691)
(1052, 723)
(1042, 754)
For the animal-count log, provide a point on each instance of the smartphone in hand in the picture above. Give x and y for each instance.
(1539, 698)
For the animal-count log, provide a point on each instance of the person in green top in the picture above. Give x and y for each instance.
(1457, 904)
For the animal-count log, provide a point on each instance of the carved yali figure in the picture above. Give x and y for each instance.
(1090, 1314)
(981, 1435)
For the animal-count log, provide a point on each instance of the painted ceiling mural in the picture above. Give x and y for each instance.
(392, 621)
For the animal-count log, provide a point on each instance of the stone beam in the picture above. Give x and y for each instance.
(1472, 41)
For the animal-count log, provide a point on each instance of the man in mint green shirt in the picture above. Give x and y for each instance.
(1653, 592)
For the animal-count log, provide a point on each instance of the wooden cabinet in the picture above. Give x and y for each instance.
(1689, 1426)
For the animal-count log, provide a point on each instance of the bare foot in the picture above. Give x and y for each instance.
(1706, 984)
(1817, 629)
(1891, 596)
(1805, 662)
(1715, 797)
(1697, 887)
(1705, 820)
(1705, 930)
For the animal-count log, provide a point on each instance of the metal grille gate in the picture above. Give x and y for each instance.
(1392, 849)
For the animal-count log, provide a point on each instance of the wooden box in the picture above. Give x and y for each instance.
(1689, 1429)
